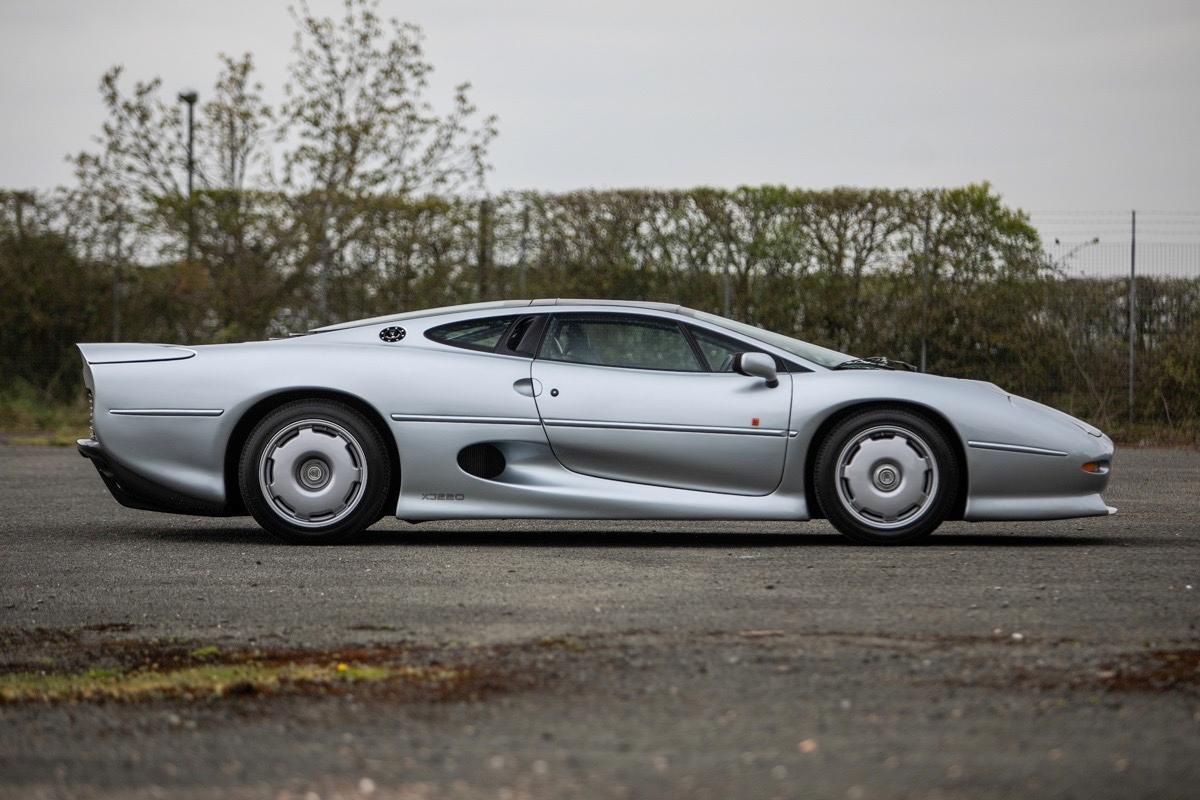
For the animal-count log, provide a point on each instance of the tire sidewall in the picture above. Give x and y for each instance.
(370, 505)
(825, 481)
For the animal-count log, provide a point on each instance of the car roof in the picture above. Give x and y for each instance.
(498, 305)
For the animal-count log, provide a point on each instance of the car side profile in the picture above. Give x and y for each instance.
(572, 409)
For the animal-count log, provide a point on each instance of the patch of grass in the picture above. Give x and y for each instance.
(1185, 433)
(89, 664)
(216, 680)
(205, 653)
(564, 643)
(60, 438)
(28, 417)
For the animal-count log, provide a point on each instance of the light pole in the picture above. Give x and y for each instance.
(189, 96)
(1132, 306)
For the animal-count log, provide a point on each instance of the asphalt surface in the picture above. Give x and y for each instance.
(632, 659)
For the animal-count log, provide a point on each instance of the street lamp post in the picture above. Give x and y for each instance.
(190, 96)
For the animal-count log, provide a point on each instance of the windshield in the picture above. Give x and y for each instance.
(815, 353)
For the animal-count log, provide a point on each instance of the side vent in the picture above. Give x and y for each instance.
(481, 460)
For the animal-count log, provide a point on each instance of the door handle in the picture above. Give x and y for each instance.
(530, 387)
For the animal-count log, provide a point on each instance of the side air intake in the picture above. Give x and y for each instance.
(481, 460)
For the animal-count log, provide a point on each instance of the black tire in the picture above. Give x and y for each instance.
(333, 478)
(898, 462)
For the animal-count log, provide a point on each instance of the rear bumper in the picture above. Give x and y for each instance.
(136, 491)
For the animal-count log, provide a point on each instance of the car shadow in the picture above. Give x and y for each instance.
(599, 538)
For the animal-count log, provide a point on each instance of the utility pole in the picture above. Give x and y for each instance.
(522, 266)
(190, 96)
(116, 280)
(1132, 305)
(925, 277)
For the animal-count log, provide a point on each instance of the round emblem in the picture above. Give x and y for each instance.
(886, 478)
(394, 334)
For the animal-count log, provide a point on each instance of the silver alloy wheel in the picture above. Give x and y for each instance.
(312, 472)
(887, 476)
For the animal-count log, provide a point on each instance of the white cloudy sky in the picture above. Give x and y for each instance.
(1061, 105)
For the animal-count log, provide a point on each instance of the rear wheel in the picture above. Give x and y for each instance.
(314, 472)
(886, 476)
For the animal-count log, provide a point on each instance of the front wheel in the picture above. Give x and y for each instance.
(314, 472)
(886, 476)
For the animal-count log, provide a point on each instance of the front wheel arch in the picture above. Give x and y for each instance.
(265, 405)
(932, 416)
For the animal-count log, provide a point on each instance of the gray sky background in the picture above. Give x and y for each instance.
(1061, 105)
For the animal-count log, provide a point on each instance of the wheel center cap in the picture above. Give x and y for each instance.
(314, 473)
(886, 478)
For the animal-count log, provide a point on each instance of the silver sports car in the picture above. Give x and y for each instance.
(581, 409)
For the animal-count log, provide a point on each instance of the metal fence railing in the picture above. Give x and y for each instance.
(1135, 278)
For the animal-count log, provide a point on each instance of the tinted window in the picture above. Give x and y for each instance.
(476, 334)
(616, 341)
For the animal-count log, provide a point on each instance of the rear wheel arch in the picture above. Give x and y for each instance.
(264, 406)
(931, 415)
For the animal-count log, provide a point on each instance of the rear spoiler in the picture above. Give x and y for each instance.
(124, 353)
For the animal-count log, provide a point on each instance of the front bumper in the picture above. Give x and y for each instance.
(1051, 484)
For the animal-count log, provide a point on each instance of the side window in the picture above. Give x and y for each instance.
(522, 338)
(612, 340)
(718, 350)
(473, 334)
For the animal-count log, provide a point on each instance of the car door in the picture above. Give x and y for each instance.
(635, 398)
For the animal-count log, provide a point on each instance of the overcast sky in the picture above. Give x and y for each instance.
(1060, 105)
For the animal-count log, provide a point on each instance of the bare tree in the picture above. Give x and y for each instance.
(356, 123)
(235, 125)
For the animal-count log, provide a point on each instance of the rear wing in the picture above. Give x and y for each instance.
(124, 353)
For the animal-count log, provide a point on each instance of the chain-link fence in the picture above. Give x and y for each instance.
(947, 279)
(1134, 281)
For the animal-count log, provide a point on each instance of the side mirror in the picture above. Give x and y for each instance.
(757, 365)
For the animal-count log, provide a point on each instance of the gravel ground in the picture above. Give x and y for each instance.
(619, 659)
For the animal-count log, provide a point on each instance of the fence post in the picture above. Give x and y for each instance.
(522, 264)
(484, 253)
(726, 293)
(1132, 306)
(19, 200)
(116, 276)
